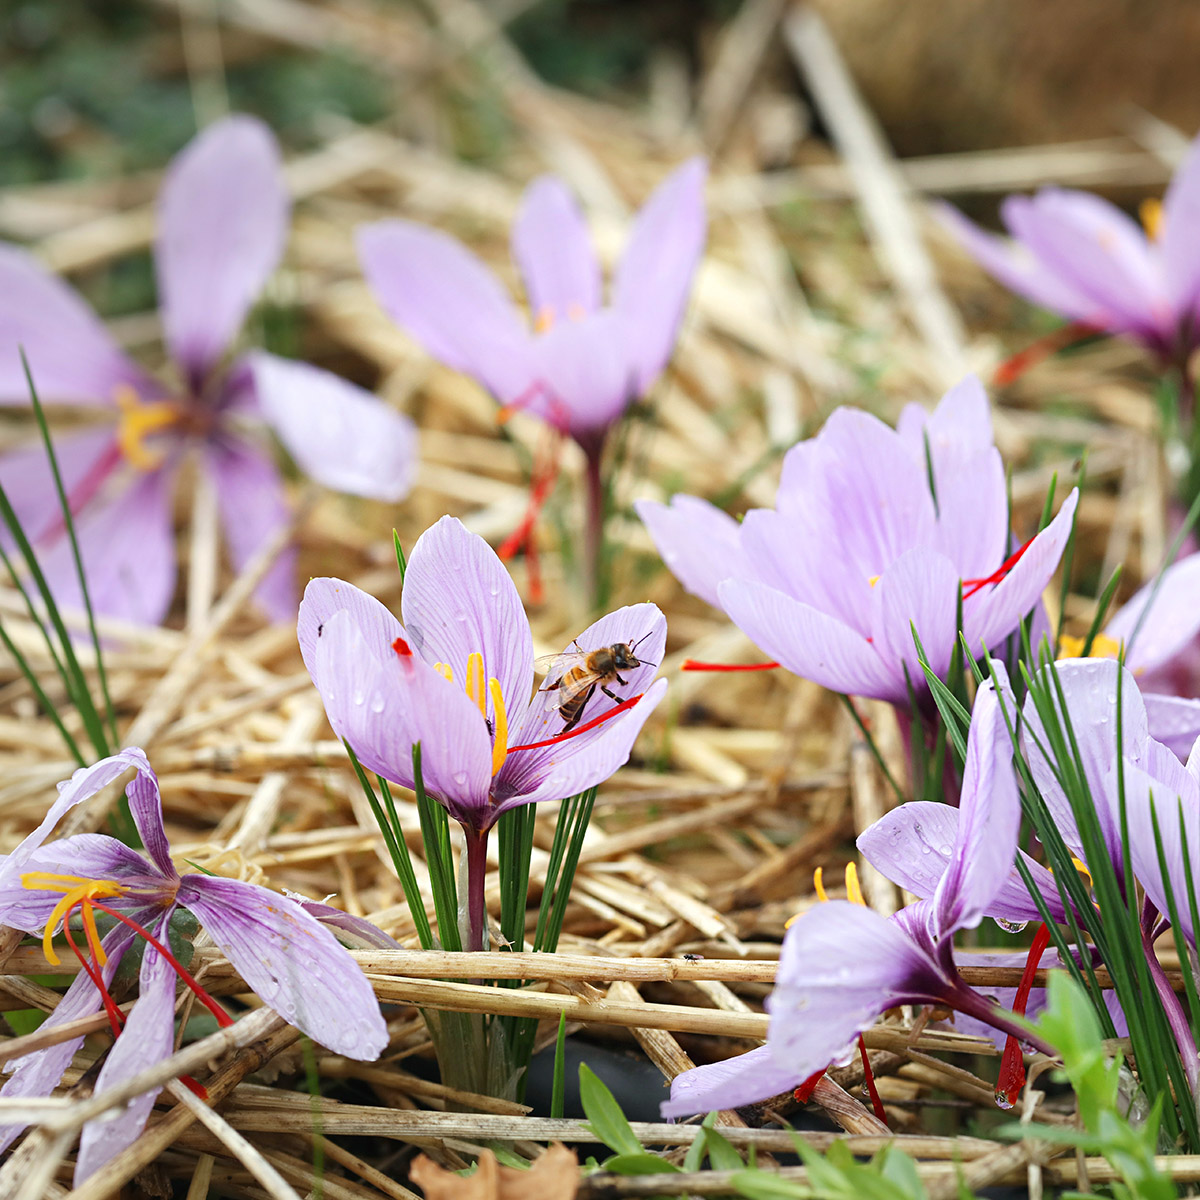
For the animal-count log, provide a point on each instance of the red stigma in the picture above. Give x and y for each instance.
(402, 648)
(692, 664)
(971, 586)
(804, 1092)
(562, 737)
(869, 1080)
(1012, 1066)
(1011, 369)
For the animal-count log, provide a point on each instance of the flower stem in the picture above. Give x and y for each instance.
(593, 545)
(476, 874)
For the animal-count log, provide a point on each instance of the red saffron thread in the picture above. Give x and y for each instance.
(1011, 369)
(869, 1080)
(402, 648)
(692, 664)
(562, 737)
(804, 1092)
(1012, 1066)
(971, 586)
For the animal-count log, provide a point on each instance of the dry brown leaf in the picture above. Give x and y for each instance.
(555, 1176)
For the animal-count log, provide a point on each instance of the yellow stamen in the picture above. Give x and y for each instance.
(1102, 646)
(84, 890)
(544, 319)
(873, 580)
(137, 422)
(1151, 212)
(819, 884)
(1082, 869)
(475, 688)
(853, 890)
(500, 738)
(445, 671)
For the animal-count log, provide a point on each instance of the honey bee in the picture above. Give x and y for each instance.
(578, 673)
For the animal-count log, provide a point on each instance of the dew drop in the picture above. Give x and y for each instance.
(359, 698)
(377, 703)
(1002, 1100)
(1011, 927)
(944, 849)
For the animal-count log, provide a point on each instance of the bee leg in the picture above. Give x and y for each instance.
(613, 695)
(552, 687)
(574, 720)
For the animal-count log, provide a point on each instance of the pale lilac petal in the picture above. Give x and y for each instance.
(1179, 243)
(340, 435)
(992, 613)
(459, 600)
(439, 293)
(1016, 267)
(148, 1038)
(919, 589)
(655, 275)
(1172, 622)
(571, 771)
(1089, 687)
(72, 357)
(553, 249)
(809, 643)
(698, 542)
(39, 1073)
(1096, 250)
(83, 459)
(1173, 720)
(83, 785)
(86, 856)
(990, 811)
(253, 508)
(383, 708)
(145, 806)
(293, 963)
(744, 1079)
(324, 597)
(222, 224)
(1178, 817)
(357, 930)
(128, 550)
(585, 370)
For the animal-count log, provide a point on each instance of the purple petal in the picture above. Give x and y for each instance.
(459, 600)
(128, 552)
(744, 1079)
(1016, 267)
(40, 314)
(584, 369)
(359, 930)
(292, 962)
(960, 424)
(1173, 620)
(39, 1073)
(253, 508)
(342, 436)
(383, 707)
(84, 460)
(1179, 243)
(1178, 816)
(145, 806)
(438, 292)
(553, 249)
(83, 785)
(698, 542)
(809, 643)
(148, 1038)
(655, 275)
(223, 214)
(568, 771)
(992, 613)
(85, 856)
(1173, 720)
(919, 589)
(990, 811)
(1096, 250)
(323, 598)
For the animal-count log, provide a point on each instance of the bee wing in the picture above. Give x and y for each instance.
(556, 665)
(569, 689)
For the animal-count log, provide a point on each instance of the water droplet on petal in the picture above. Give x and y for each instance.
(377, 703)
(1002, 1100)
(359, 698)
(1011, 927)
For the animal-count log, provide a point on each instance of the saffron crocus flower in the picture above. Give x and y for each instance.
(456, 678)
(875, 531)
(290, 959)
(843, 964)
(1084, 258)
(222, 224)
(584, 361)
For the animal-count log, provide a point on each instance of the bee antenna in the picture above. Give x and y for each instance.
(641, 640)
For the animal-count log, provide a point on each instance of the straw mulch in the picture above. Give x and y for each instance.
(825, 283)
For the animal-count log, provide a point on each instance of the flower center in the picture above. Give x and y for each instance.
(138, 421)
(478, 692)
(1102, 646)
